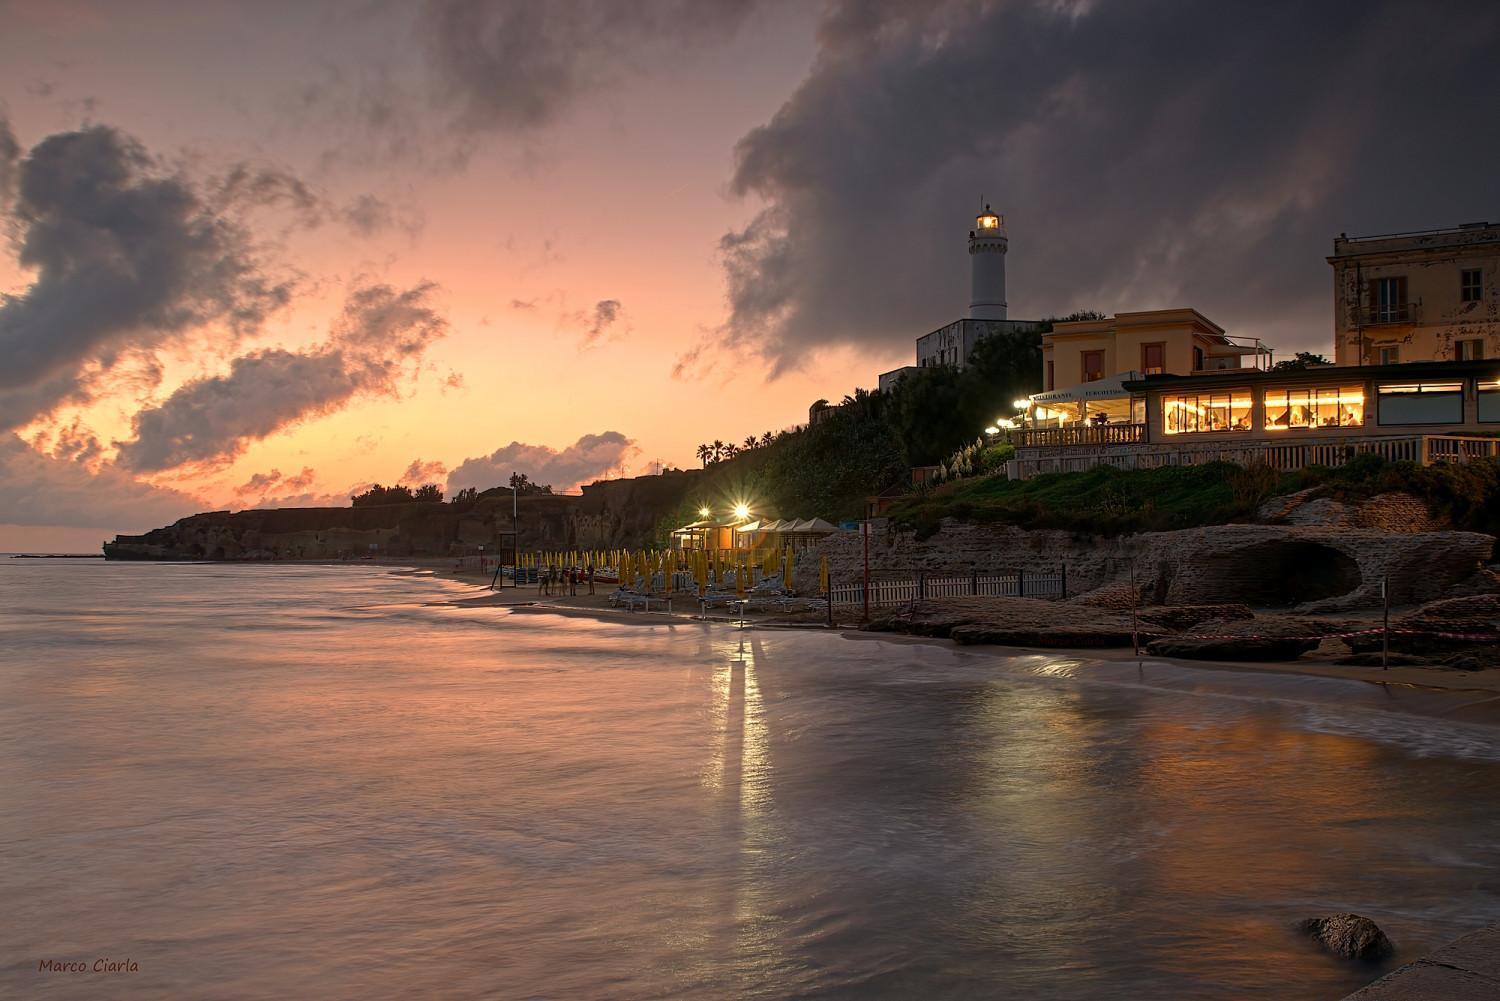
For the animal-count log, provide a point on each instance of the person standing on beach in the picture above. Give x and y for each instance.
(591, 578)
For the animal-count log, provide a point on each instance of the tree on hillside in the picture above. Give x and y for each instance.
(522, 485)
(1301, 360)
(428, 493)
(378, 494)
(704, 453)
(751, 441)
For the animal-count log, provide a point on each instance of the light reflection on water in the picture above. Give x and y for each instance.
(295, 781)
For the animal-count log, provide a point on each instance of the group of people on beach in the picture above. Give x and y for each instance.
(564, 581)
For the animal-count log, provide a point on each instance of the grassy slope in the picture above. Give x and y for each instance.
(1109, 501)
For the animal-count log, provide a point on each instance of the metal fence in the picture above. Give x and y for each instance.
(884, 593)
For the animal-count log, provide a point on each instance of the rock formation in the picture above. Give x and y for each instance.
(1348, 936)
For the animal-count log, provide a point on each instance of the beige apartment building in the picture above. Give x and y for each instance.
(1411, 297)
(1151, 342)
(1086, 362)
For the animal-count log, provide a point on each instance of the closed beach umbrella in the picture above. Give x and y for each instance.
(823, 575)
(740, 573)
(786, 570)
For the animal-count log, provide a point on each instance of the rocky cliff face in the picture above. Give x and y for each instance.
(1307, 568)
(610, 514)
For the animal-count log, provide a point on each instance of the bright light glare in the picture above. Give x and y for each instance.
(1021, 404)
(992, 430)
(703, 512)
(741, 511)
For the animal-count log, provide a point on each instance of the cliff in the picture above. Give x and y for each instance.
(609, 514)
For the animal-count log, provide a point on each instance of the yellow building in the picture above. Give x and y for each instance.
(1426, 296)
(1084, 362)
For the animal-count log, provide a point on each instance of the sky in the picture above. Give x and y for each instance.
(265, 254)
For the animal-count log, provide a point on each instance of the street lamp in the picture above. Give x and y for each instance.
(742, 511)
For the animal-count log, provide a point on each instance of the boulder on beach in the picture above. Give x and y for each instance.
(1349, 936)
(1231, 647)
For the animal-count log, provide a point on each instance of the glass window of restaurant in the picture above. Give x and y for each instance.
(1225, 410)
(1315, 407)
(1421, 403)
(1489, 400)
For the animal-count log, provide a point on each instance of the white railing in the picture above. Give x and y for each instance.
(885, 593)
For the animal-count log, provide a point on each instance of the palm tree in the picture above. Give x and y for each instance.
(751, 441)
(704, 453)
(767, 438)
(729, 452)
(719, 450)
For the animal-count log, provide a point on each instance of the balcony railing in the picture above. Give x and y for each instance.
(1390, 312)
(1083, 434)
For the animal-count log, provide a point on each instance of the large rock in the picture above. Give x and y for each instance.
(1349, 936)
(1310, 569)
(1252, 648)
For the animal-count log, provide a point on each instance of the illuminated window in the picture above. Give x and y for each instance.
(1421, 403)
(1315, 407)
(1153, 359)
(1194, 412)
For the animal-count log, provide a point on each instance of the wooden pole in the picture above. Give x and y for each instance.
(1135, 599)
(1385, 630)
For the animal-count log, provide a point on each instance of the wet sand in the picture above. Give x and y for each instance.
(685, 607)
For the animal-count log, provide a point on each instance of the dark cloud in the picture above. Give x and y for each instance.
(517, 65)
(584, 461)
(37, 489)
(248, 186)
(1147, 154)
(376, 339)
(10, 157)
(127, 256)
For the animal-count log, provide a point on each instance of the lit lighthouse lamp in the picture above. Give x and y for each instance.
(987, 246)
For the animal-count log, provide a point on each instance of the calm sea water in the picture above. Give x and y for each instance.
(299, 782)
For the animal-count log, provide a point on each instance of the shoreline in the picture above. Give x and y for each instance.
(1484, 684)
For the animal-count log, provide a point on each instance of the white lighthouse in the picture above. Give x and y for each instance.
(987, 246)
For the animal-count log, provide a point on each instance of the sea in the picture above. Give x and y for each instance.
(292, 781)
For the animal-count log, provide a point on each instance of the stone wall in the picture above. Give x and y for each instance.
(1310, 569)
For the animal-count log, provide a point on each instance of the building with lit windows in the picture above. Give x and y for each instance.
(1085, 363)
(1323, 415)
(1425, 296)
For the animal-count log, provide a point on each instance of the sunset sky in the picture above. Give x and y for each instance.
(268, 253)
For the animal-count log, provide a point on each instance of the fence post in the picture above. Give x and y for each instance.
(921, 585)
(1385, 629)
(974, 580)
(1020, 583)
(1135, 599)
(1065, 580)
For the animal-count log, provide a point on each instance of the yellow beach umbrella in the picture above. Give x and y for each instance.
(823, 575)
